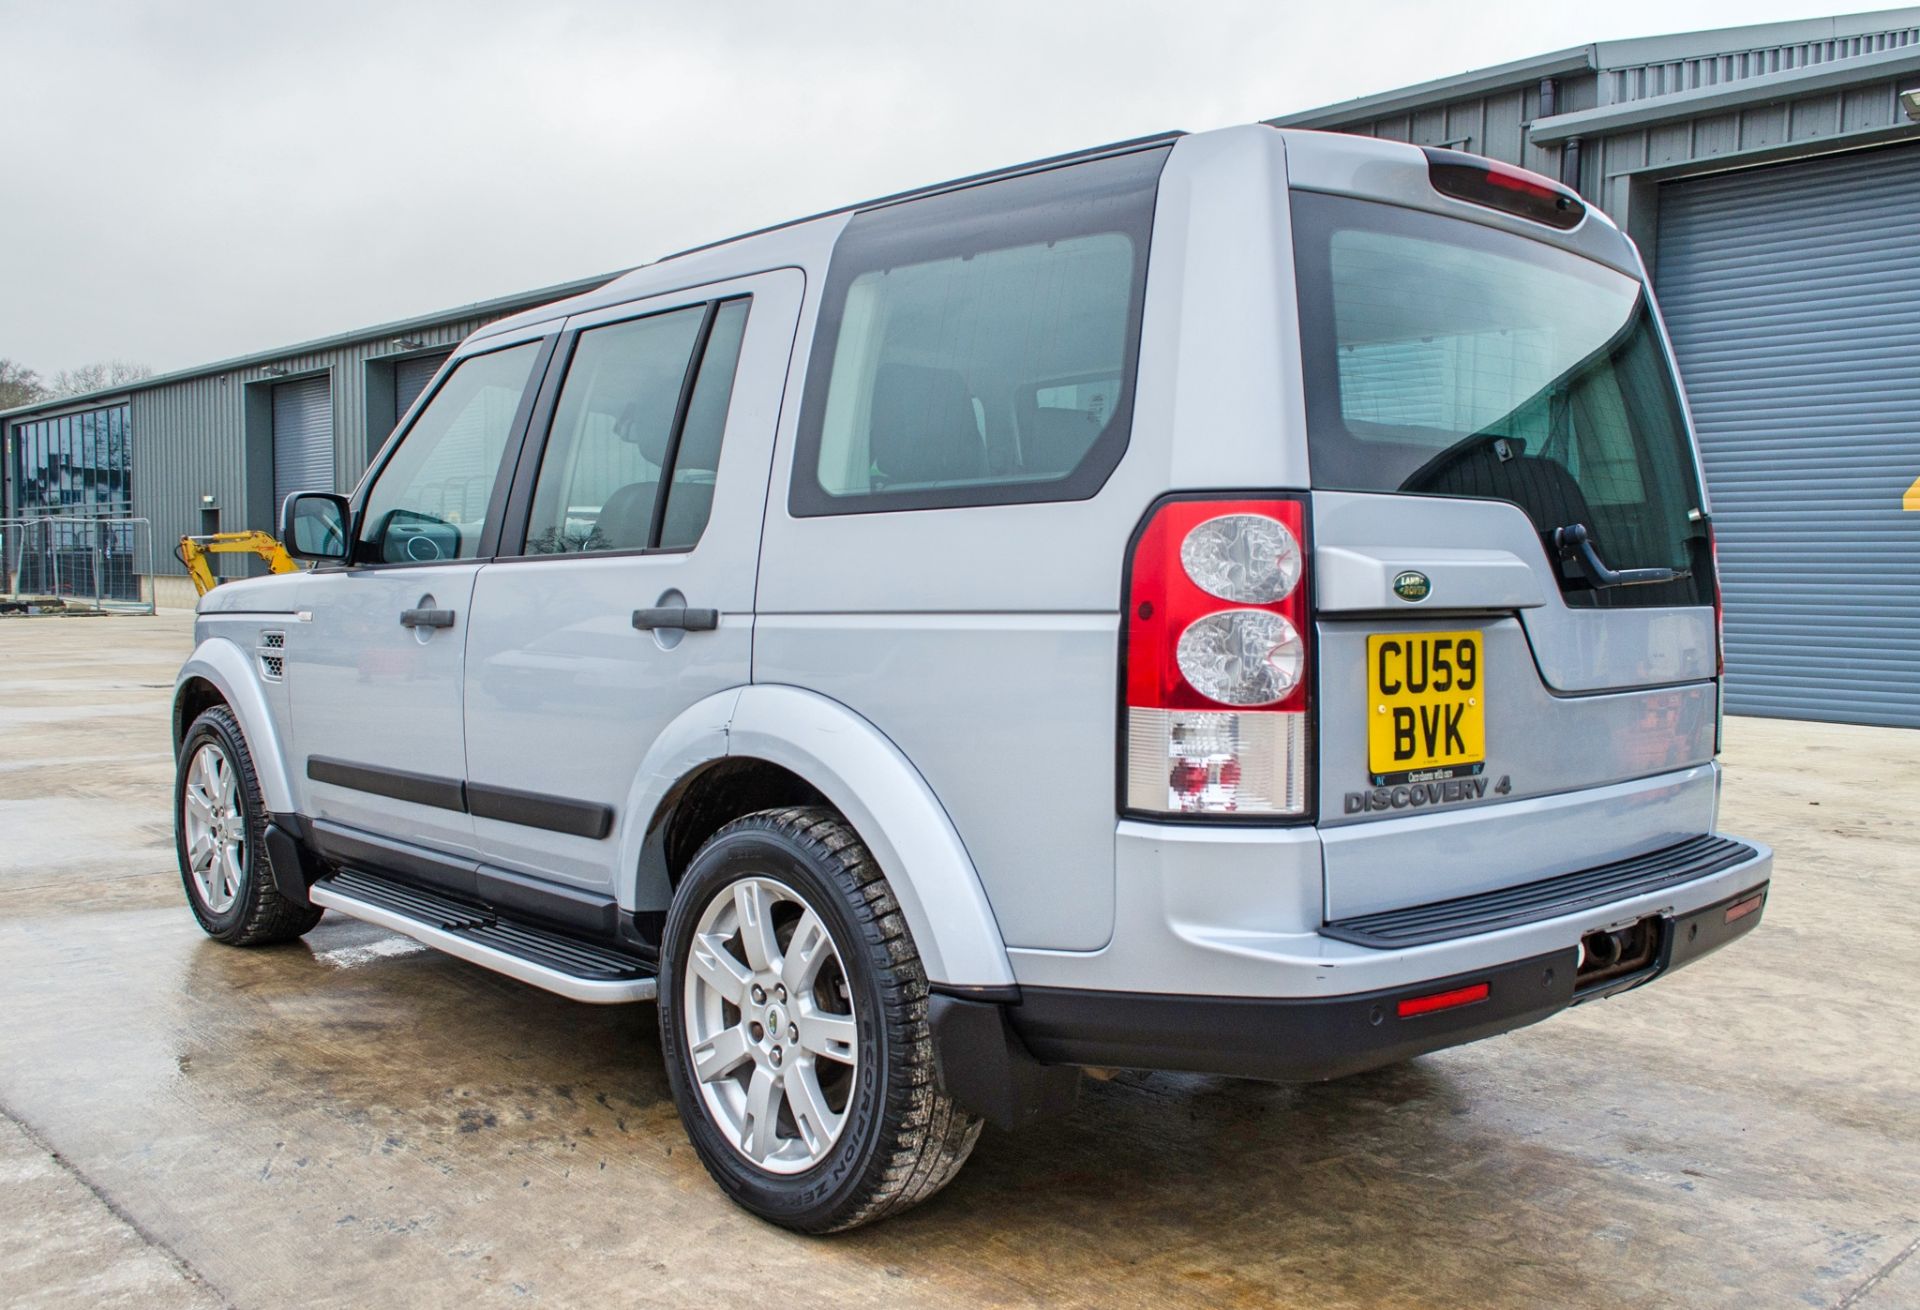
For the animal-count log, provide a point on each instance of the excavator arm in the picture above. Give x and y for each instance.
(193, 553)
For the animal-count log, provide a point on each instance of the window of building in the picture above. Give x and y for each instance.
(75, 464)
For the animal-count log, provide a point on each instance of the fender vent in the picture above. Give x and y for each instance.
(273, 665)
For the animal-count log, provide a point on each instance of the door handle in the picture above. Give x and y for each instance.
(670, 617)
(426, 618)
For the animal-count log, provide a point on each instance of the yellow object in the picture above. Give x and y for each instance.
(1427, 707)
(194, 551)
(1911, 500)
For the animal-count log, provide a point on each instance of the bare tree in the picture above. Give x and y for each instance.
(19, 385)
(98, 377)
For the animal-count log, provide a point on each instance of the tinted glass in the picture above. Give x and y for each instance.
(430, 501)
(600, 473)
(1450, 359)
(75, 464)
(978, 347)
(696, 461)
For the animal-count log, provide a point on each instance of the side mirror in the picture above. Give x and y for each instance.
(313, 525)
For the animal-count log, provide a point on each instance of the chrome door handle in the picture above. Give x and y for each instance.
(426, 618)
(681, 617)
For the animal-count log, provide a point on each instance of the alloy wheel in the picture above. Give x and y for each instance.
(771, 1025)
(215, 826)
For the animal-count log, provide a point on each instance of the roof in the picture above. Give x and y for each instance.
(1845, 39)
(1725, 96)
(399, 327)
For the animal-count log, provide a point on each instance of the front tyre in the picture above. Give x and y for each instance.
(220, 824)
(793, 1016)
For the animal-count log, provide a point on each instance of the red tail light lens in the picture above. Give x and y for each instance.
(1487, 182)
(1217, 661)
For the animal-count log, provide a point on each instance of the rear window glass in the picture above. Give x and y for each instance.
(1447, 358)
(978, 347)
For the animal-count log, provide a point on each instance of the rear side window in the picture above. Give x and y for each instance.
(634, 447)
(1446, 358)
(979, 347)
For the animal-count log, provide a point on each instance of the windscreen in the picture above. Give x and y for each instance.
(1447, 358)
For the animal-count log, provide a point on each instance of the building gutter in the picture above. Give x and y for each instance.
(1461, 86)
(1747, 93)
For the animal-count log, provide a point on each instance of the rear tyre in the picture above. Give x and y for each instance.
(793, 1017)
(220, 824)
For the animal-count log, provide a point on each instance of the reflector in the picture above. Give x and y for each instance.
(1444, 1000)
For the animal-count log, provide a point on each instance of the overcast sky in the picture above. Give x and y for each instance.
(189, 181)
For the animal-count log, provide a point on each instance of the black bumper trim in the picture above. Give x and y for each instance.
(1548, 898)
(1312, 1039)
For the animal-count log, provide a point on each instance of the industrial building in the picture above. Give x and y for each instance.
(216, 448)
(1770, 174)
(1771, 177)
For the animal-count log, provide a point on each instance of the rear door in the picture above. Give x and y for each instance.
(1478, 401)
(374, 663)
(625, 589)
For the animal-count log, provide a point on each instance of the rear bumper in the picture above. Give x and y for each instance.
(1309, 1039)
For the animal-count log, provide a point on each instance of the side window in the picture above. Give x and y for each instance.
(979, 347)
(430, 501)
(614, 450)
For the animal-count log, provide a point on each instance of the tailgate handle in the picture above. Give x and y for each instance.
(1576, 543)
(670, 617)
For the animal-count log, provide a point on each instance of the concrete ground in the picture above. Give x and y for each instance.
(354, 1121)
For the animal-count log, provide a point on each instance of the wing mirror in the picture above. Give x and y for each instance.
(314, 526)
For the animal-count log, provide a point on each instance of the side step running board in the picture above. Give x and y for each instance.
(581, 971)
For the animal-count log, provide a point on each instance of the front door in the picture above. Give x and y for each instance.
(646, 499)
(374, 663)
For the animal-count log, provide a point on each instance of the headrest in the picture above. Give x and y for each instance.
(922, 427)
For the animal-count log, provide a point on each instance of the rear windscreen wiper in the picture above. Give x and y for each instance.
(1575, 543)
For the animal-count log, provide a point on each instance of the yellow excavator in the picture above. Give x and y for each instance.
(193, 553)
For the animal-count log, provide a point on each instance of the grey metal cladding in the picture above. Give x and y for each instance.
(1667, 73)
(212, 434)
(1796, 320)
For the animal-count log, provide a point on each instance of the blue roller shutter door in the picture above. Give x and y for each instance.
(1793, 297)
(302, 438)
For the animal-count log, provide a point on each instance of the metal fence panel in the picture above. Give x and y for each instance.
(104, 563)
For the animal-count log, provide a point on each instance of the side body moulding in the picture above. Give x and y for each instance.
(864, 775)
(230, 670)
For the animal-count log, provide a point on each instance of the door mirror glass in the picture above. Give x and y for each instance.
(313, 525)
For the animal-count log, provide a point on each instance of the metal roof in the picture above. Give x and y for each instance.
(1728, 95)
(399, 327)
(1688, 60)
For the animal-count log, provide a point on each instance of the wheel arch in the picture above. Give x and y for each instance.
(764, 746)
(219, 672)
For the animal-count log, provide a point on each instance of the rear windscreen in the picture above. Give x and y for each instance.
(1446, 358)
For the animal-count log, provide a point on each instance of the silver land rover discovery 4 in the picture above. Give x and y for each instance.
(1241, 603)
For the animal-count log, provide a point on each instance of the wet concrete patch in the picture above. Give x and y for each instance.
(351, 1121)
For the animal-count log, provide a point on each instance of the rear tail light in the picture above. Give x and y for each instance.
(1218, 660)
(1493, 185)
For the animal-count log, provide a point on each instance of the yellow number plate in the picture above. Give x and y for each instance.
(1426, 706)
